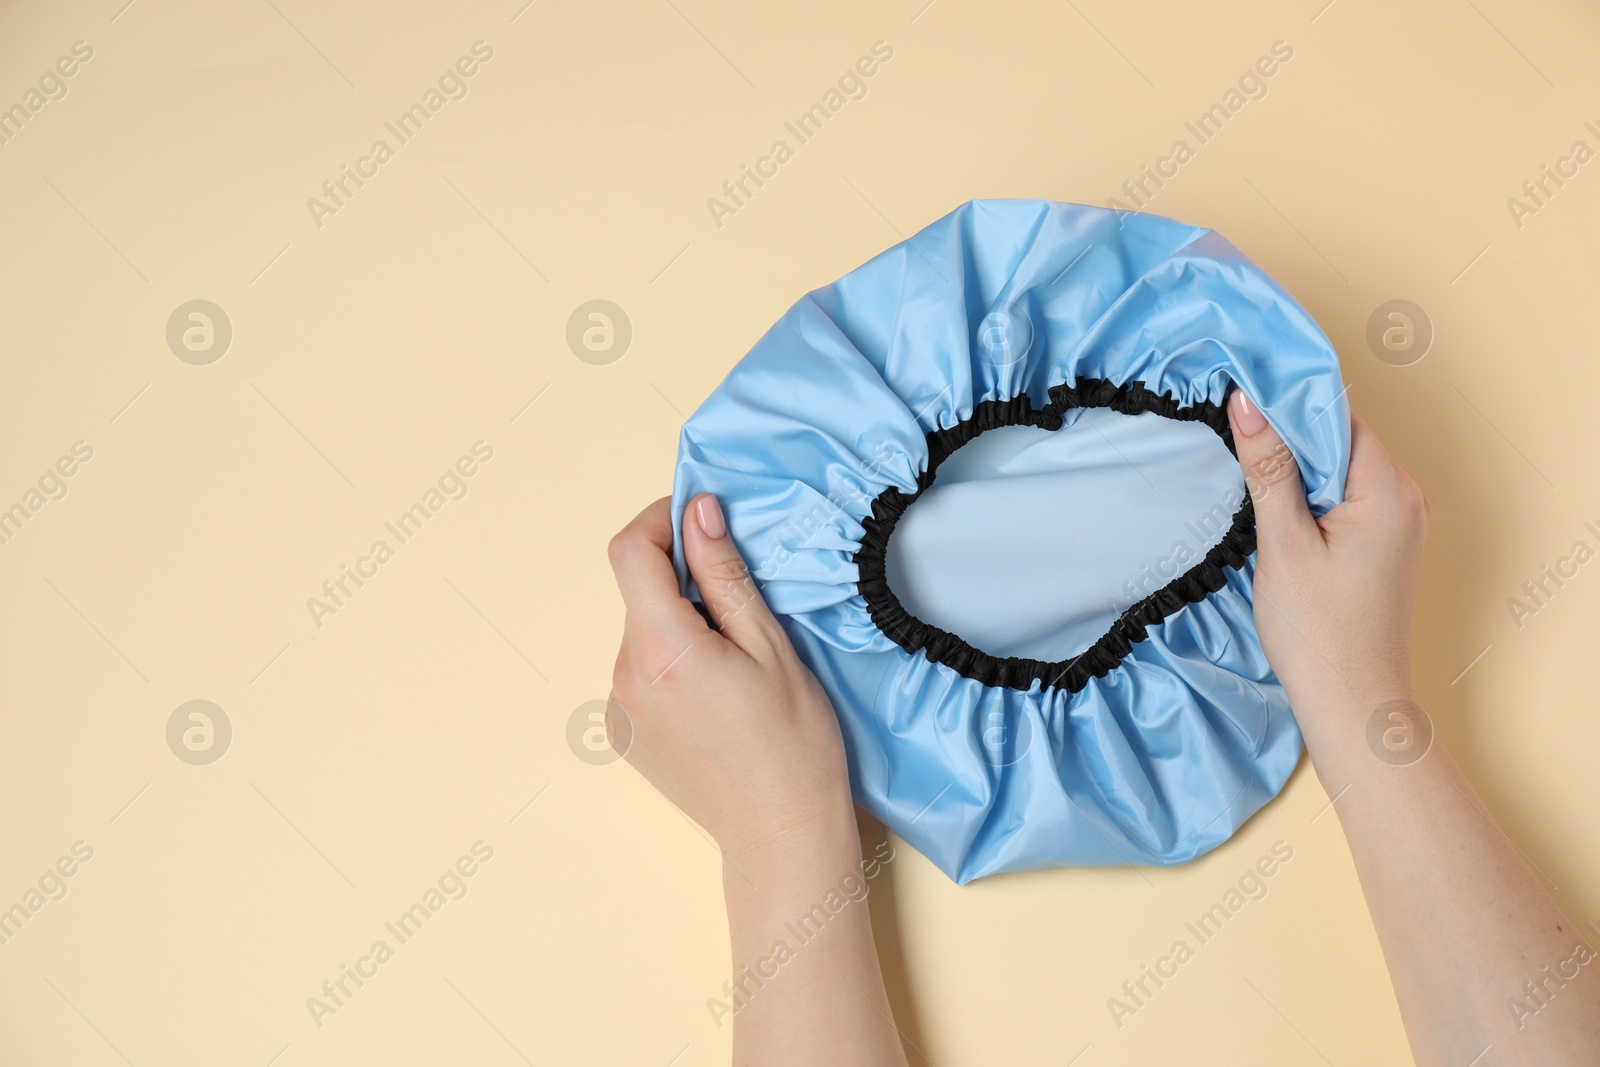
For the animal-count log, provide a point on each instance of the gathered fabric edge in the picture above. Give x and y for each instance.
(1132, 626)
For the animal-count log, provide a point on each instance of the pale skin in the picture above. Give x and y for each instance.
(732, 728)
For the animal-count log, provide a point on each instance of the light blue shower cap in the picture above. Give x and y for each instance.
(1034, 661)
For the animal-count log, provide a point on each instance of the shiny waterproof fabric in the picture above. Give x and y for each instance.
(1049, 315)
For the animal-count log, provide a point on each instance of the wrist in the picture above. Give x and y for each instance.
(1342, 697)
(817, 846)
(1370, 728)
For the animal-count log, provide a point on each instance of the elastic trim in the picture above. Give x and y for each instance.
(1132, 626)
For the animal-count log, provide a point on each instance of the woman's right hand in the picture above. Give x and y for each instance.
(1333, 596)
(1466, 928)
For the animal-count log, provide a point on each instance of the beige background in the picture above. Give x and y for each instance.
(368, 354)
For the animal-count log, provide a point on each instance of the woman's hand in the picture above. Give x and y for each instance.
(1471, 938)
(729, 726)
(733, 728)
(1333, 596)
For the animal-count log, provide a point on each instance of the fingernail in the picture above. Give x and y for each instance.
(1247, 418)
(709, 514)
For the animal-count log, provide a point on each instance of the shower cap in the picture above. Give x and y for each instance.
(986, 483)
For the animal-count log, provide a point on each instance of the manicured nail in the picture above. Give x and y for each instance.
(709, 514)
(1247, 418)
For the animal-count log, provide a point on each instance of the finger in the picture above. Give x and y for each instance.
(1371, 466)
(641, 559)
(1271, 474)
(729, 592)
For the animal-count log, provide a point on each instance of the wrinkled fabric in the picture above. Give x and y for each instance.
(1169, 753)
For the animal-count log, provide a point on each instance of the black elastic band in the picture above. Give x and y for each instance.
(1012, 672)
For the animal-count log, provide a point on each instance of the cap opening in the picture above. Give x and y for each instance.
(1044, 542)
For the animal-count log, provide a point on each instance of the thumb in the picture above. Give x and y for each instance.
(730, 594)
(1271, 474)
